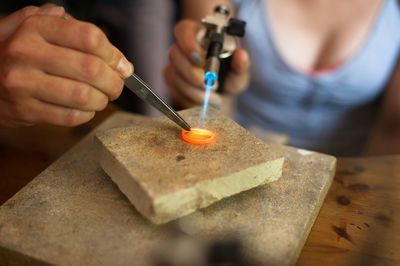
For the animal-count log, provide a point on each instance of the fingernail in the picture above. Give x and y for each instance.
(31, 10)
(91, 115)
(196, 58)
(125, 67)
(215, 104)
(54, 11)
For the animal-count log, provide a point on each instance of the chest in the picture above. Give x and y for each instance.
(318, 33)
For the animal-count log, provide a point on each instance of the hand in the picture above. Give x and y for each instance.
(184, 73)
(10, 23)
(55, 70)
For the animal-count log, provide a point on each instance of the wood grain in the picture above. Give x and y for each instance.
(359, 223)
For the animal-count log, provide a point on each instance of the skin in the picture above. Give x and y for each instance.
(307, 36)
(55, 69)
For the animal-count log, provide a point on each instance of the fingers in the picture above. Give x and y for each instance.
(193, 95)
(51, 10)
(67, 71)
(67, 93)
(7, 117)
(238, 78)
(192, 74)
(81, 36)
(11, 22)
(185, 33)
(26, 83)
(185, 75)
(184, 94)
(32, 97)
(40, 112)
(240, 61)
(32, 111)
(71, 64)
(186, 57)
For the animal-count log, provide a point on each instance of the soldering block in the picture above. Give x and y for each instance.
(165, 177)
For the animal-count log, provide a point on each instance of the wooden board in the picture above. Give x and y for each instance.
(165, 177)
(73, 214)
(359, 221)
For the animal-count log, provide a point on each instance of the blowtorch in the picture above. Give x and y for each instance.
(217, 38)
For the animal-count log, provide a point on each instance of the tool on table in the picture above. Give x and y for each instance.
(183, 247)
(144, 92)
(219, 42)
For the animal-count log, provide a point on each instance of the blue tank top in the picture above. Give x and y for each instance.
(332, 112)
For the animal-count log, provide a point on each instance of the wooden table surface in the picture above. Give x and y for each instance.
(359, 223)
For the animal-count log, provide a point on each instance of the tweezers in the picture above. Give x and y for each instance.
(144, 92)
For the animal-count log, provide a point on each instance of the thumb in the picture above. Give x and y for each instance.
(240, 61)
(239, 76)
(10, 23)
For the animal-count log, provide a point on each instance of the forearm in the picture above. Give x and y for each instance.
(197, 9)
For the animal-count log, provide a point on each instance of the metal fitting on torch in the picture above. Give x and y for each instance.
(214, 50)
(218, 40)
(210, 78)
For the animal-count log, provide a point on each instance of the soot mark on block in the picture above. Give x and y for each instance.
(343, 200)
(10, 204)
(180, 158)
(366, 224)
(157, 141)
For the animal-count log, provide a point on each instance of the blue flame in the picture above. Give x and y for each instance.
(209, 80)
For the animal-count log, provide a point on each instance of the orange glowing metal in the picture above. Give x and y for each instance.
(198, 136)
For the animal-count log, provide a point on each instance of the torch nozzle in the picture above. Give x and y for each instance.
(210, 78)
